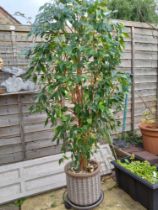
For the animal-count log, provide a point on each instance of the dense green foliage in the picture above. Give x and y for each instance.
(141, 168)
(81, 90)
(135, 10)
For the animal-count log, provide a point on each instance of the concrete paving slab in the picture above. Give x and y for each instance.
(115, 199)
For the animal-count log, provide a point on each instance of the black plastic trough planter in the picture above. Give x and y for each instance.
(139, 189)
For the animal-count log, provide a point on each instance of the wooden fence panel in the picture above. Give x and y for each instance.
(23, 134)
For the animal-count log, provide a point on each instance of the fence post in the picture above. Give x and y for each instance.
(132, 80)
(13, 41)
(22, 136)
(157, 81)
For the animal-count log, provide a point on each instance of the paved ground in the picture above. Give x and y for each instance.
(115, 199)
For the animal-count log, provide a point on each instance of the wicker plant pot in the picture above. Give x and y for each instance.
(83, 189)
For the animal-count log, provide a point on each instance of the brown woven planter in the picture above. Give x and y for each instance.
(150, 138)
(83, 189)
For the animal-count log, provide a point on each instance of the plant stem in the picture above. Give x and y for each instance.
(83, 163)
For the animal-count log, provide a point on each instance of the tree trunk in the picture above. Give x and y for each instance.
(83, 163)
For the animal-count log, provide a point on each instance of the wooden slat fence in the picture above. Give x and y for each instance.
(23, 135)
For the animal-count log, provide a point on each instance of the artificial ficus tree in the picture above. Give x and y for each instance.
(75, 66)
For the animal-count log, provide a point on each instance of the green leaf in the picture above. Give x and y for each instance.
(101, 106)
(89, 120)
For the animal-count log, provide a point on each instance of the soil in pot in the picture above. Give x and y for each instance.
(91, 167)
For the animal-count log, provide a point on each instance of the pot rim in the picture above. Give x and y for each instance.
(81, 175)
(144, 127)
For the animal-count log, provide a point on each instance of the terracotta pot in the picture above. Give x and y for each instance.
(150, 138)
(83, 189)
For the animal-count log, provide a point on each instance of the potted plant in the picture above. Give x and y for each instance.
(81, 90)
(139, 179)
(149, 130)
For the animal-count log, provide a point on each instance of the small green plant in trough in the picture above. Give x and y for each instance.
(142, 169)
